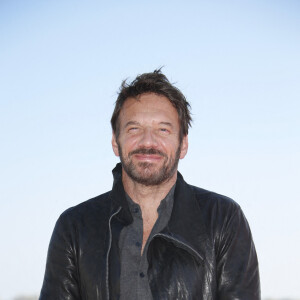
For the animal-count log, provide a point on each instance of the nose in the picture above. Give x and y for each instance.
(148, 139)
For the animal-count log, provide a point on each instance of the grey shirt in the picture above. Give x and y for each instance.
(134, 280)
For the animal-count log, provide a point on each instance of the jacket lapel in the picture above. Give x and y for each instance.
(186, 223)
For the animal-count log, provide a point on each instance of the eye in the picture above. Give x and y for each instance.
(164, 131)
(133, 129)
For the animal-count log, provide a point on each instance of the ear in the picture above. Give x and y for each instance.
(115, 145)
(184, 147)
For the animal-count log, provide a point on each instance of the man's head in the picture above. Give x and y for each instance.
(150, 129)
(156, 83)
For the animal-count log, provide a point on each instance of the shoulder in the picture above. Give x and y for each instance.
(206, 198)
(217, 211)
(210, 206)
(93, 209)
(222, 215)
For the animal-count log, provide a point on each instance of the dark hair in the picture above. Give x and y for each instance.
(155, 82)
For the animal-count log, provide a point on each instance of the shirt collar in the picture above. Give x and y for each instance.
(165, 203)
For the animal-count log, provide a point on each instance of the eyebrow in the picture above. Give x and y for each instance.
(137, 123)
(131, 123)
(166, 123)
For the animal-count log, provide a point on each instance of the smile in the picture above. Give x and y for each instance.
(148, 157)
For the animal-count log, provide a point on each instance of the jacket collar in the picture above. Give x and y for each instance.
(185, 225)
(118, 197)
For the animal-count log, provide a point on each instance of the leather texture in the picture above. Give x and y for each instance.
(205, 252)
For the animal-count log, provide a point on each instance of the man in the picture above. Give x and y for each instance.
(152, 236)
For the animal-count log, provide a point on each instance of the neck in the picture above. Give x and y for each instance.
(148, 197)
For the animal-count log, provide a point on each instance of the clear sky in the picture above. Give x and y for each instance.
(61, 64)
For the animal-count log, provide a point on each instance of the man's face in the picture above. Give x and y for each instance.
(148, 142)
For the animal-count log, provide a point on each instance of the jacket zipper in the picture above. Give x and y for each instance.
(179, 242)
(107, 255)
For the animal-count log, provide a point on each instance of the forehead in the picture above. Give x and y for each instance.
(149, 105)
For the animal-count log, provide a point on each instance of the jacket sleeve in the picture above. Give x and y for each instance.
(237, 265)
(61, 276)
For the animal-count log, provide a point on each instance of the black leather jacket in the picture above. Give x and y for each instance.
(205, 252)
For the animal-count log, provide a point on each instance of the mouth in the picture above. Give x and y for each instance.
(147, 155)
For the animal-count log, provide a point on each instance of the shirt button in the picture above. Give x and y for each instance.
(138, 244)
(142, 275)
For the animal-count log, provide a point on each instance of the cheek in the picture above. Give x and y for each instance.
(170, 142)
(128, 144)
(170, 147)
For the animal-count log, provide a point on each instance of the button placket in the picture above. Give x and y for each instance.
(135, 210)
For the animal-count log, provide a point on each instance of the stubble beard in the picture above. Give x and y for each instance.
(143, 173)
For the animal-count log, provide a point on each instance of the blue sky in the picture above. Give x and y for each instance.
(61, 64)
